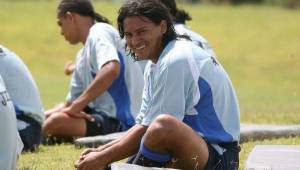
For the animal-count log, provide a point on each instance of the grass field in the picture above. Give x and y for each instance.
(257, 45)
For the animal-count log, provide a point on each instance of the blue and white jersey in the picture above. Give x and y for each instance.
(199, 40)
(21, 85)
(10, 144)
(191, 85)
(122, 100)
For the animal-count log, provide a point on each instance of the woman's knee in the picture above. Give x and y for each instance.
(161, 130)
(165, 123)
(52, 124)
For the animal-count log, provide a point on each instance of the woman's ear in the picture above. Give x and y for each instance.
(163, 25)
(70, 16)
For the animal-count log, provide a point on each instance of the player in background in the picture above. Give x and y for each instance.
(106, 87)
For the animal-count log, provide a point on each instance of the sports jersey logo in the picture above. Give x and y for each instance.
(5, 98)
(214, 61)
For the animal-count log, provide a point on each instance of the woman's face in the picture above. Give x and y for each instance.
(144, 37)
(68, 28)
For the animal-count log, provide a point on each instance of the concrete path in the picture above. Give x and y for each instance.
(248, 132)
(274, 157)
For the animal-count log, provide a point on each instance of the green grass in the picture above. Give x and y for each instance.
(257, 45)
(63, 156)
(57, 157)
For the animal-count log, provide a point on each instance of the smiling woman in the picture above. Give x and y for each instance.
(144, 37)
(187, 95)
(31, 30)
(160, 25)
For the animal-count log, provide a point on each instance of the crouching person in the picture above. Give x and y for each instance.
(10, 143)
(25, 97)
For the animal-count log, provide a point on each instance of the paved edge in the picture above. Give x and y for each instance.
(249, 132)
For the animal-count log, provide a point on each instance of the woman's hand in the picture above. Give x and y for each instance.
(91, 160)
(69, 68)
(77, 113)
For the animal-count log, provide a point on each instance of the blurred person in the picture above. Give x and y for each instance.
(25, 97)
(106, 88)
(180, 17)
(189, 118)
(10, 143)
(69, 67)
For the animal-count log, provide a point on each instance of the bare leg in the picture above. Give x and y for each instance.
(62, 125)
(169, 135)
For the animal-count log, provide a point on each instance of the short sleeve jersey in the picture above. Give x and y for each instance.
(199, 40)
(122, 100)
(21, 85)
(191, 85)
(10, 143)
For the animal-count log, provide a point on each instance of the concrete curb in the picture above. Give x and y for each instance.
(95, 141)
(248, 132)
(258, 132)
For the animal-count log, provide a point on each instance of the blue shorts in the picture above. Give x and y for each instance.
(228, 161)
(102, 125)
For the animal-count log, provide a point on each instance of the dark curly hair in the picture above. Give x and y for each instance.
(179, 15)
(154, 10)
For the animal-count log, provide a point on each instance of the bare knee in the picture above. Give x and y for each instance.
(53, 124)
(162, 131)
(164, 124)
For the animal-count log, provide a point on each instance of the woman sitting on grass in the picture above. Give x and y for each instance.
(189, 118)
(105, 92)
